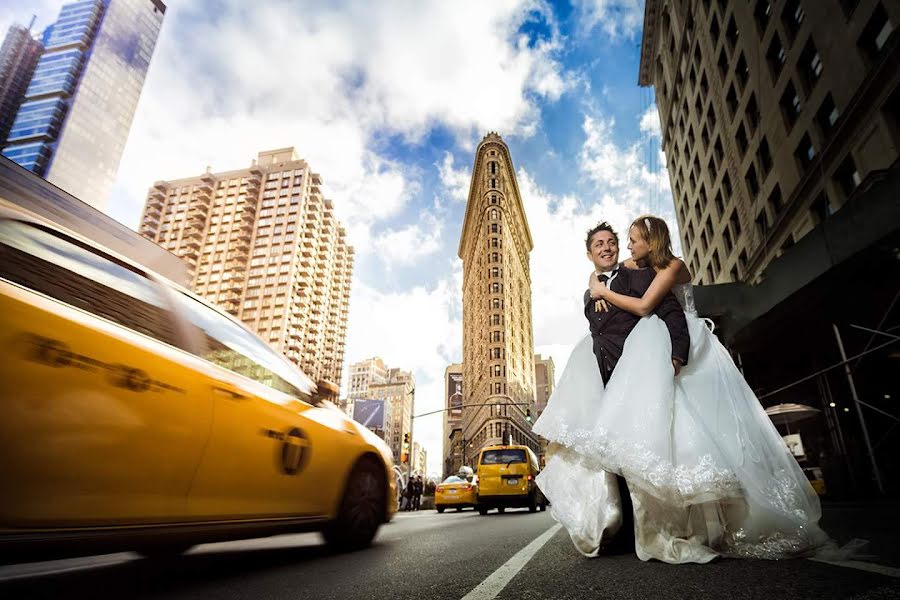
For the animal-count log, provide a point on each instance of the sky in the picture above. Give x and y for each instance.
(388, 101)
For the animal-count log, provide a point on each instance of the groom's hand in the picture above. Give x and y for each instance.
(677, 365)
(595, 287)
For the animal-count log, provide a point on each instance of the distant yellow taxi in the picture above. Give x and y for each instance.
(506, 479)
(137, 416)
(455, 492)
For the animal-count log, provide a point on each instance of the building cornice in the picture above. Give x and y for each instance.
(491, 139)
(648, 43)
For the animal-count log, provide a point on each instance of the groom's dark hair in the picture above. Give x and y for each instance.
(602, 226)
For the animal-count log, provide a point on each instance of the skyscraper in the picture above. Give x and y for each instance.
(18, 58)
(772, 114)
(398, 391)
(74, 121)
(498, 344)
(264, 244)
(453, 407)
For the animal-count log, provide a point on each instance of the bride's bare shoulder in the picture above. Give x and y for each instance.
(683, 274)
(630, 264)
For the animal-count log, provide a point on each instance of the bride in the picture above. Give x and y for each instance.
(707, 471)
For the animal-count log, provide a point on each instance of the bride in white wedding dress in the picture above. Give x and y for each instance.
(708, 473)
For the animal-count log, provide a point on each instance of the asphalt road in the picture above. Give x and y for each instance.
(430, 556)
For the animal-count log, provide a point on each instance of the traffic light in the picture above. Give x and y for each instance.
(404, 452)
(528, 415)
(406, 441)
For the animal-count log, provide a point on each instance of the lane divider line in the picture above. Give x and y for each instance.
(862, 566)
(496, 581)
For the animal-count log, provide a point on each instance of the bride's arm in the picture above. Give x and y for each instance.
(675, 272)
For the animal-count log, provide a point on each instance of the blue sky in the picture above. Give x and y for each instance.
(387, 101)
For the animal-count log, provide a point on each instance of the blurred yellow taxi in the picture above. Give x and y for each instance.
(137, 416)
(455, 492)
(506, 479)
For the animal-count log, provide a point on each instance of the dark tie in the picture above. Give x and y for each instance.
(604, 277)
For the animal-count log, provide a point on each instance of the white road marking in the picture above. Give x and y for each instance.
(862, 566)
(496, 581)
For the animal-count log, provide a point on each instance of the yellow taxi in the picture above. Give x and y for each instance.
(506, 479)
(137, 416)
(455, 492)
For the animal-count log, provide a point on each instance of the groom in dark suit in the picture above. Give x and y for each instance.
(610, 326)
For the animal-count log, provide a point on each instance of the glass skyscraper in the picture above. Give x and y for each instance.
(74, 121)
(18, 58)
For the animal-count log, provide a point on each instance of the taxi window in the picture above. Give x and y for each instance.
(230, 346)
(454, 479)
(80, 276)
(502, 457)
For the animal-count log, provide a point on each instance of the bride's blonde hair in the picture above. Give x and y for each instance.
(656, 233)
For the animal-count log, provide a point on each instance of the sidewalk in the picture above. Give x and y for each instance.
(877, 522)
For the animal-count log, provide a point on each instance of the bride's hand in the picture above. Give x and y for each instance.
(596, 287)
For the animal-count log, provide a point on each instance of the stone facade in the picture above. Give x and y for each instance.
(498, 345)
(263, 244)
(773, 112)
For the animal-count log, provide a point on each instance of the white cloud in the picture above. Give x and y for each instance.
(410, 244)
(622, 175)
(650, 122)
(616, 18)
(455, 181)
(327, 79)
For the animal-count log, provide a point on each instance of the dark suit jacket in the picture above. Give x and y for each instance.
(609, 329)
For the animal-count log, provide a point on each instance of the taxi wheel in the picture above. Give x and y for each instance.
(440, 509)
(501, 510)
(532, 505)
(482, 511)
(362, 509)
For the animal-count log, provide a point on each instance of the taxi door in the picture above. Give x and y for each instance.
(101, 424)
(269, 453)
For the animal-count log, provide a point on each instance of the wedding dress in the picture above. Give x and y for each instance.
(708, 472)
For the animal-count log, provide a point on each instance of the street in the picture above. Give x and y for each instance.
(452, 556)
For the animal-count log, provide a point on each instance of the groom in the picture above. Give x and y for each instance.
(610, 326)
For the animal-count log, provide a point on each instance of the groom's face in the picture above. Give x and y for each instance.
(604, 251)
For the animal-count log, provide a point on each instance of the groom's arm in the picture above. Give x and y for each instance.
(671, 313)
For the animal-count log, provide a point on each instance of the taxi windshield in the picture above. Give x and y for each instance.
(502, 457)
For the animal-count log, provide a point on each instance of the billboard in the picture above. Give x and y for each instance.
(370, 413)
(454, 394)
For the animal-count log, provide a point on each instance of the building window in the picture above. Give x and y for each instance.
(732, 101)
(876, 34)
(821, 207)
(742, 72)
(776, 203)
(762, 12)
(723, 65)
(741, 137)
(493, 228)
(720, 204)
(719, 152)
(752, 181)
(792, 17)
(847, 176)
(731, 34)
(704, 85)
(790, 106)
(805, 152)
(810, 65)
(752, 112)
(765, 158)
(762, 224)
(827, 115)
(848, 6)
(735, 221)
(714, 30)
(493, 198)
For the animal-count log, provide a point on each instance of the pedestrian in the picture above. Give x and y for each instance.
(410, 493)
(418, 488)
